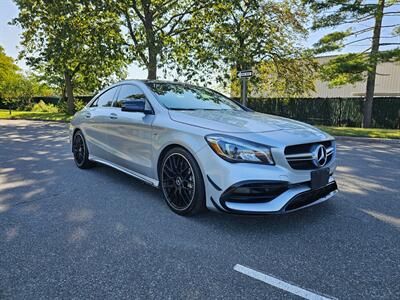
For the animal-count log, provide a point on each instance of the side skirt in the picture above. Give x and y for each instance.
(144, 178)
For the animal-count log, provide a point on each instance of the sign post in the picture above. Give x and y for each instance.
(244, 76)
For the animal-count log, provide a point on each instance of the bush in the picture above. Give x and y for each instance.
(43, 107)
(63, 106)
(79, 104)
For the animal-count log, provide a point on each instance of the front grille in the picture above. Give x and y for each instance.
(310, 196)
(300, 157)
(254, 192)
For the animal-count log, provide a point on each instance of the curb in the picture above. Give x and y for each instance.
(367, 139)
(39, 120)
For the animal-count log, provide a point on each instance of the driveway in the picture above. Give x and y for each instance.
(98, 233)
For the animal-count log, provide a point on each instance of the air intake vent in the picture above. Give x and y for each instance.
(311, 196)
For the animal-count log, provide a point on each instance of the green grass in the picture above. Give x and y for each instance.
(5, 114)
(337, 131)
(362, 132)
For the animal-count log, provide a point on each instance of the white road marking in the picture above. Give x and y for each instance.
(280, 284)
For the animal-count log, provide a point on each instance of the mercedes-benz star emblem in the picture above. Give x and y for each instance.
(319, 156)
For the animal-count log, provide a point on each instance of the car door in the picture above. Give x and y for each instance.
(97, 117)
(130, 133)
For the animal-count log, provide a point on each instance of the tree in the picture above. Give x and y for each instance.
(262, 35)
(154, 26)
(10, 76)
(356, 17)
(71, 39)
(17, 88)
(7, 67)
(282, 78)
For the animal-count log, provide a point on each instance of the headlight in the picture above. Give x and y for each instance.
(236, 150)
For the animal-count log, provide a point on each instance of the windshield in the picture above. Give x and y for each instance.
(177, 96)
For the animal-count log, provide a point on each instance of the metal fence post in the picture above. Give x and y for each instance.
(244, 91)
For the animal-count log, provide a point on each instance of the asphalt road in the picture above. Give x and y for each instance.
(98, 233)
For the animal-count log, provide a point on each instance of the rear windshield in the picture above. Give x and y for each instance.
(177, 96)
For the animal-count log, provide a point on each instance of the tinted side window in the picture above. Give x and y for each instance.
(105, 99)
(129, 92)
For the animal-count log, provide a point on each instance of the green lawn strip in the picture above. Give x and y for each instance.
(362, 132)
(4, 114)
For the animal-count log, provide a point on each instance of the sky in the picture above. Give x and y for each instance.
(10, 36)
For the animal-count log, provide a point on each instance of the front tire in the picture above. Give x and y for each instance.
(182, 182)
(80, 151)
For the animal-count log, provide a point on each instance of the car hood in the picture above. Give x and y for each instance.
(231, 121)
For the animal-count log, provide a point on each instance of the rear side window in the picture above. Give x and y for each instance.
(129, 92)
(106, 99)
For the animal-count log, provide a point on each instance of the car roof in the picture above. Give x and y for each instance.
(152, 81)
(140, 81)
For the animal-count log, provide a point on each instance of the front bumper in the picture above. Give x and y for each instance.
(263, 189)
(278, 197)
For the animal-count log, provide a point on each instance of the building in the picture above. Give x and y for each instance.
(387, 83)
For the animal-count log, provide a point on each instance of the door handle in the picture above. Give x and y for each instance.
(87, 115)
(113, 116)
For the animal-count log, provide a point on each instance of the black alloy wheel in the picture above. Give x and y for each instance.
(182, 183)
(79, 149)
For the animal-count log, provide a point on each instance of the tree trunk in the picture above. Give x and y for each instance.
(70, 94)
(369, 95)
(369, 99)
(152, 49)
(152, 66)
(64, 91)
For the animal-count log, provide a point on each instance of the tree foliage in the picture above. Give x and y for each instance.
(10, 78)
(17, 88)
(9, 75)
(72, 40)
(262, 35)
(360, 22)
(153, 28)
(291, 77)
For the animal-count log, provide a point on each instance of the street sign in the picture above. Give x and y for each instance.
(245, 74)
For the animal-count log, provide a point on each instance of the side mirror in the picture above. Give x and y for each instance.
(135, 106)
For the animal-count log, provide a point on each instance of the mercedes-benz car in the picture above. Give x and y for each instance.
(204, 150)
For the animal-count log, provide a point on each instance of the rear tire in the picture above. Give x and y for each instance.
(182, 183)
(80, 151)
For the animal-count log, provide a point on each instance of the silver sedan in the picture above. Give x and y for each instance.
(204, 150)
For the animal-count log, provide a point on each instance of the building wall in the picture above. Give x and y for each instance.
(387, 83)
